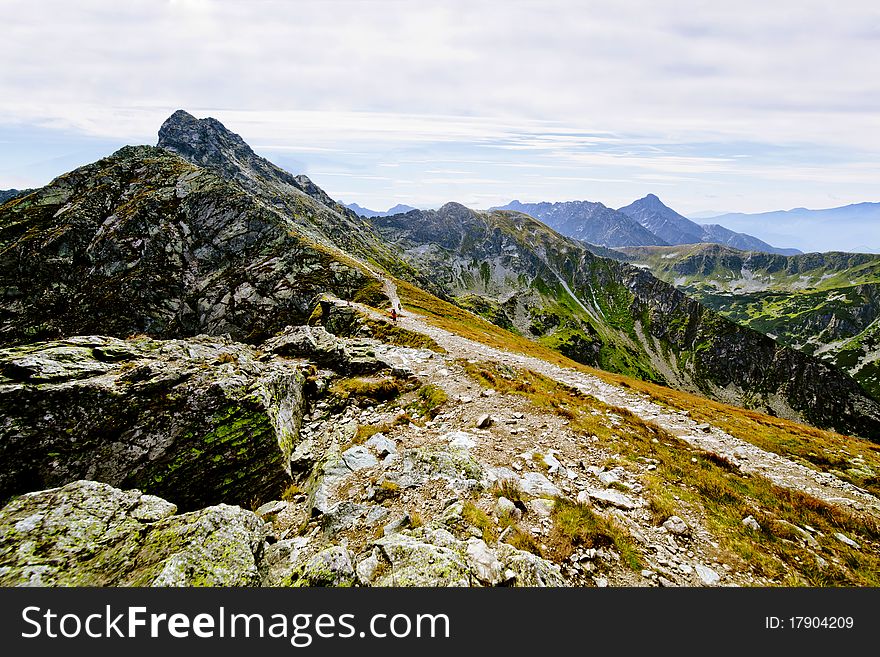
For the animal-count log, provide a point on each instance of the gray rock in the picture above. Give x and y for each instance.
(484, 421)
(382, 445)
(358, 457)
(413, 562)
(461, 440)
(88, 534)
(613, 498)
(541, 507)
(537, 485)
(707, 576)
(675, 525)
(846, 540)
(330, 567)
(751, 523)
(504, 507)
(397, 525)
(366, 569)
(483, 562)
(270, 509)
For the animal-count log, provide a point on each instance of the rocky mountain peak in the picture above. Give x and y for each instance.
(206, 142)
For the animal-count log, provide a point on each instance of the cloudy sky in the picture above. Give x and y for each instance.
(746, 106)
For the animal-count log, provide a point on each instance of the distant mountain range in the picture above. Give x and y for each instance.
(646, 222)
(366, 212)
(853, 228)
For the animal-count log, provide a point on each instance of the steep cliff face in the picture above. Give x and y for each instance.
(195, 421)
(145, 242)
(517, 272)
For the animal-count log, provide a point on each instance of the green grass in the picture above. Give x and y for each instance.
(476, 517)
(429, 401)
(714, 487)
(372, 389)
(576, 525)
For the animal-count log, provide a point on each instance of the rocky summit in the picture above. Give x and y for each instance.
(202, 383)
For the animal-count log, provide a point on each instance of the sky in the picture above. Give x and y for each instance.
(715, 107)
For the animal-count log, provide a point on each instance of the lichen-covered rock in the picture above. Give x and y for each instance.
(91, 534)
(196, 421)
(414, 562)
(288, 563)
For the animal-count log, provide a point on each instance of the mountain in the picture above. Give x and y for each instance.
(200, 384)
(7, 194)
(674, 228)
(587, 221)
(521, 275)
(365, 212)
(852, 228)
(827, 304)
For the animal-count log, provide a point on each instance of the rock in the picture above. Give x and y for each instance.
(358, 457)
(382, 445)
(281, 560)
(416, 466)
(583, 497)
(537, 485)
(484, 421)
(330, 567)
(529, 570)
(270, 509)
(648, 573)
(483, 562)
(151, 508)
(366, 568)
(676, 525)
(504, 507)
(343, 515)
(666, 583)
(180, 419)
(609, 477)
(846, 540)
(613, 498)
(461, 440)
(705, 428)
(600, 582)
(707, 576)
(397, 525)
(751, 523)
(415, 562)
(91, 534)
(541, 507)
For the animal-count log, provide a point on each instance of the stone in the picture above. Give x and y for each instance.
(484, 421)
(707, 576)
(583, 497)
(751, 523)
(330, 567)
(416, 562)
(504, 507)
(600, 582)
(400, 523)
(270, 509)
(461, 440)
(676, 525)
(381, 444)
(88, 533)
(483, 562)
(613, 498)
(366, 568)
(529, 570)
(358, 457)
(846, 540)
(537, 485)
(666, 583)
(541, 507)
(178, 419)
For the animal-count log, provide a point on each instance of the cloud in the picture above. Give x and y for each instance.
(577, 93)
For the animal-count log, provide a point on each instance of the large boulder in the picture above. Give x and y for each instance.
(91, 534)
(196, 421)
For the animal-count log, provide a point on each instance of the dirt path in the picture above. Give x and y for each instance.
(751, 459)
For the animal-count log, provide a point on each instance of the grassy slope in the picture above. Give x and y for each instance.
(853, 459)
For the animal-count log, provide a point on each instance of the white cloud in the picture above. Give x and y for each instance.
(586, 91)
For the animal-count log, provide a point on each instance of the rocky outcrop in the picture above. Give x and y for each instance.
(196, 421)
(91, 534)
